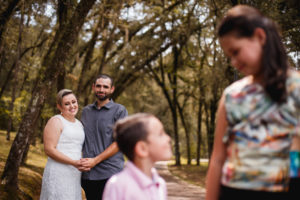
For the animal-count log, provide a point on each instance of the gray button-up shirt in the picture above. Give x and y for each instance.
(98, 125)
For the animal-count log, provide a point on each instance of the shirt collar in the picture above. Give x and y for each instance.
(107, 106)
(142, 179)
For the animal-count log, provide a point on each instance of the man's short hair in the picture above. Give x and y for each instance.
(105, 76)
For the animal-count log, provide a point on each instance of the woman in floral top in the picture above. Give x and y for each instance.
(257, 115)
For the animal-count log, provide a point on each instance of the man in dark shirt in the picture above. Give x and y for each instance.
(100, 151)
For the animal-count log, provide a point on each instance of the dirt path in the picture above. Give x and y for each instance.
(177, 188)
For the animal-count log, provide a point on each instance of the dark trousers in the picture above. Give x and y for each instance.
(294, 190)
(227, 193)
(93, 188)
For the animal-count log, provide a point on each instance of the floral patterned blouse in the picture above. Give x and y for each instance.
(259, 135)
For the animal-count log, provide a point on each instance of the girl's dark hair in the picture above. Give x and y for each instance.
(129, 131)
(242, 21)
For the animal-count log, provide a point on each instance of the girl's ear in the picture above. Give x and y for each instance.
(260, 34)
(141, 149)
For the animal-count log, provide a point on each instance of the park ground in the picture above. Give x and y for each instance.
(184, 182)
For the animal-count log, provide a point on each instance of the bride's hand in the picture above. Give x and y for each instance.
(88, 162)
(80, 167)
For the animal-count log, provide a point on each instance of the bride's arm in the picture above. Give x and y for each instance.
(52, 133)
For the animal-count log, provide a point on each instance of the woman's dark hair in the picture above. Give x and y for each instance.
(129, 131)
(242, 21)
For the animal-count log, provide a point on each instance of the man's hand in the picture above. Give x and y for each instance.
(88, 163)
(80, 167)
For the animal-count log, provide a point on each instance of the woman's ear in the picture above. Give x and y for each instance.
(58, 107)
(141, 149)
(260, 34)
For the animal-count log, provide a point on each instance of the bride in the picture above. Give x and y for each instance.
(63, 140)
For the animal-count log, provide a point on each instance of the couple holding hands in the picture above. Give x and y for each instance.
(85, 154)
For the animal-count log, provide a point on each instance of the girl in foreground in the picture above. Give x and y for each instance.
(257, 115)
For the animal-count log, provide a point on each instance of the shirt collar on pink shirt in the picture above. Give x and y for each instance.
(142, 179)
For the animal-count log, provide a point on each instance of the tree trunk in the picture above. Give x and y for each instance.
(207, 124)
(213, 105)
(4, 18)
(11, 110)
(199, 124)
(187, 134)
(162, 84)
(31, 141)
(8, 78)
(60, 84)
(212, 122)
(210, 111)
(176, 136)
(24, 157)
(9, 128)
(53, 62)
(173, 80)
(15, 77)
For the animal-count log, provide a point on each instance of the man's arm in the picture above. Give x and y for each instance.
(108, 152)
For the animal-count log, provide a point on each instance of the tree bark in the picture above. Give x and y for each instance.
(199, 127)
(187, 133)
(173, 79)
(200, 108)
(4, 18)
(53, 63)
(208, 132)
(15, 78)
(210, 111)
(162, 84)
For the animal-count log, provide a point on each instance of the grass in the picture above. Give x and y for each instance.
(30, 175)
(191, 173)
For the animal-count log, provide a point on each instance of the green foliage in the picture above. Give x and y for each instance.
(19, 109)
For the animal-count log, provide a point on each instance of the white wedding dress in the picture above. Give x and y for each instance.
(62, 181)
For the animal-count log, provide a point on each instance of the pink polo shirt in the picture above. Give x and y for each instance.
(132, 183)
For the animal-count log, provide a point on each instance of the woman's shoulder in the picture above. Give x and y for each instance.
(56, 119)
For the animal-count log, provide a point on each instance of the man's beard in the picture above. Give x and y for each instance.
(102, 98)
